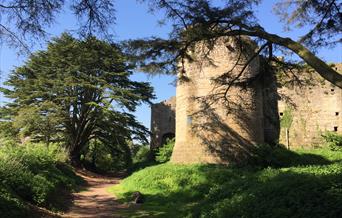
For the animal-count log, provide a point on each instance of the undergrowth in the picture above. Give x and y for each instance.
(34, 173)
(164, 153)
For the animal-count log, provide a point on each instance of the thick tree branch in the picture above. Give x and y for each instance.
(311, 59)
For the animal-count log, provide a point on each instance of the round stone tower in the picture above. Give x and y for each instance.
(219, 114)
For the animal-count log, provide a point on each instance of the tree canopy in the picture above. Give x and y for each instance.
(77, 91)
(22, 21)
(202, 20)
(192, 21)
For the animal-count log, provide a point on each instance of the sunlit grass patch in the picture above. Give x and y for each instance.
(306, 183)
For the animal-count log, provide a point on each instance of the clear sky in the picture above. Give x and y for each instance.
(134, 21)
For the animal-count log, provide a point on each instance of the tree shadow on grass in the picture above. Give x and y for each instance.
(267, 156)
(314, 191)
(302, 192)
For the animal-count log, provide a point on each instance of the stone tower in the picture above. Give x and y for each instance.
(213, 127)
(162, 122)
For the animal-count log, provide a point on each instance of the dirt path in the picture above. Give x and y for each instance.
(95, 201)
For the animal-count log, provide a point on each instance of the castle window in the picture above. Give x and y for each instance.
(189, 120)
(337, 113)
(281, 113)
(335, 128)
(332, 90)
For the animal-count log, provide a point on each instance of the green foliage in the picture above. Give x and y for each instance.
(34, 173)
(10, 204)
(27, 24)
(76, 91)
(193, 22)
(142, 157)
(164, 153)
(143, 154)
(287, 118)
(8, 134)
(40, 127)
(309, 186)
(333, 140)
(320, 16)
(101, 159)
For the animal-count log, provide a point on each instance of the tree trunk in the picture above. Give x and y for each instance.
(75, 156)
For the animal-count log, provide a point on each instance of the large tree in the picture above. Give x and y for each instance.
(202, 20)
(77, 91)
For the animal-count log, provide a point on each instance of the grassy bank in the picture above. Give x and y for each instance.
(295, 184)
(34, 174)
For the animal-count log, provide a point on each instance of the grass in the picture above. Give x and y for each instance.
(305, 183)
(35, 174)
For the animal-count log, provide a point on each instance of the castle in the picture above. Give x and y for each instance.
(217, 123)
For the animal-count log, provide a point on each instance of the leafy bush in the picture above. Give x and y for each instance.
(8, 134)
(35, 173)
(164, 153)
(11, 205)
(142, 157)
(333, 140)
(143, 154)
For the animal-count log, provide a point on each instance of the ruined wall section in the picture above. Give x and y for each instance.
(316, 107)
(210, 129)
(162, 122)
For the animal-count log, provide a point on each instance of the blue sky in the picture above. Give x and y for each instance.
(134, 21)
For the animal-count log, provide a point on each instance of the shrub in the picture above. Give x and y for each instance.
(164, 153)
(142, 157)
(7, 134)
(98, 157)
(10, 204)
(143, 154)
(35, 172)
(333, 140)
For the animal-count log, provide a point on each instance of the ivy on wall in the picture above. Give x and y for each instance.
(287, 118)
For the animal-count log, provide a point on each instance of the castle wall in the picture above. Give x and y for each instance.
(210, 128)
(162, 122)
(316, 107)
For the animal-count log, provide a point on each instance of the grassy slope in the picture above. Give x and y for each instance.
(304, 184)
(34, 174)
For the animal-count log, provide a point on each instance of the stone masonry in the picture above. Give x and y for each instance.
(163, 119)
(209, 129)
(315, 108)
